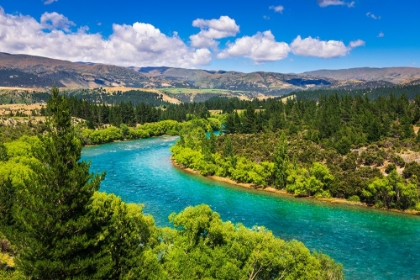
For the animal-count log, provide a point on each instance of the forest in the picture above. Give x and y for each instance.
(345, 146)
(55, 224)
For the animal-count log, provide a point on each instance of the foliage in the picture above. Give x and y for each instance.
(348, 138)
(281, 162)
(202, 246)
(354, 198)
(392, 191)
(50, 212)
(61, 227)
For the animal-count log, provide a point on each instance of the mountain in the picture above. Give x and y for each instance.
(190, 84)
(268, 83)
(35, 71)
(395, 75)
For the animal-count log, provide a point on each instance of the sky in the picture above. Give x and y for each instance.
(287, 36)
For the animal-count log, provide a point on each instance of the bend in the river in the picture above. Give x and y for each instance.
(371, 244)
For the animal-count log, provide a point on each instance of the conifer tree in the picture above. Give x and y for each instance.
(227, 148)
(249, 120)
(3, 152)
(59, 240)
(281, 162)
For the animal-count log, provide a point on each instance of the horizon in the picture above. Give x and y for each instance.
(269, 36)
(216, 70)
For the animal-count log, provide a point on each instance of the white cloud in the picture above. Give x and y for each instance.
(323, 49)
(200, 41)
(277, 9)
(139, 44)
(357, 43)
(47, 2)
(326, 3)
(56, 21)
(369, 14)
(260, 48)
(380, 35)
(213, 29)
(201, 57)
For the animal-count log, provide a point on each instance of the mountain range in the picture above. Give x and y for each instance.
(37, 72)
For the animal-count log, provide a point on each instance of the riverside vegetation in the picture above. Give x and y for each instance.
(55, 224)
(339, 146)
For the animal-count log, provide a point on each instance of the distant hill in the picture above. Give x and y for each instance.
(188, 85)
(35, 71)
(268, 83)
(395, 75)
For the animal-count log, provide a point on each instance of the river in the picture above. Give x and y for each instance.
(371, 244)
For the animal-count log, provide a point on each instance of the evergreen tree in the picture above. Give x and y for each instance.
(3, 152)
(229, 125)
(227, 148)
(406, 128)
(7, 197)
(58, 238)
(249, 120)
(212, 140)
(281, 162)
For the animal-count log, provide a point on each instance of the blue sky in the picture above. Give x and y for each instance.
(288, 36)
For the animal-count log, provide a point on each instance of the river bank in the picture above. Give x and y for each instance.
(275, 191)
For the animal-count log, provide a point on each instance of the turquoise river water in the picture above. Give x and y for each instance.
(371, 244)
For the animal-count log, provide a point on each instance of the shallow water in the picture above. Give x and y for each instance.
(371, 244)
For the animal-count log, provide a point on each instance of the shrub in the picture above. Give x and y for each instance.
(354, 198)
(389, 168)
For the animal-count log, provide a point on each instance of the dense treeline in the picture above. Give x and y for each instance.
(356, 119)
(410, 91)
(94, 95)
(100, 96)
(129, 114)
(57, 225)
(346, 147)
(228, 105)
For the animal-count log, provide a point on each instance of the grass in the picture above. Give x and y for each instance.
(195, 90)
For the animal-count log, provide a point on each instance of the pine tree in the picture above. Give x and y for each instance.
(249, 120)
(229, 125)
(3, 152)
(227, 148)
(281, 162)
(58, 238)
(212, 140)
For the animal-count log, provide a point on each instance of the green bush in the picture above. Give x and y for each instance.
(354, 198)
(389, 168)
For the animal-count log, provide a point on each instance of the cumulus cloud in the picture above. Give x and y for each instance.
(56, 21)
(47, 2)
(139, 44)
(277, 9)
(357, 43)
(213, 29)
(370, 15)
(323, 49)
(260, 48)
(380, 35)
(326, 3)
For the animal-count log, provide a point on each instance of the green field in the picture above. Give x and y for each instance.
(195, 90)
